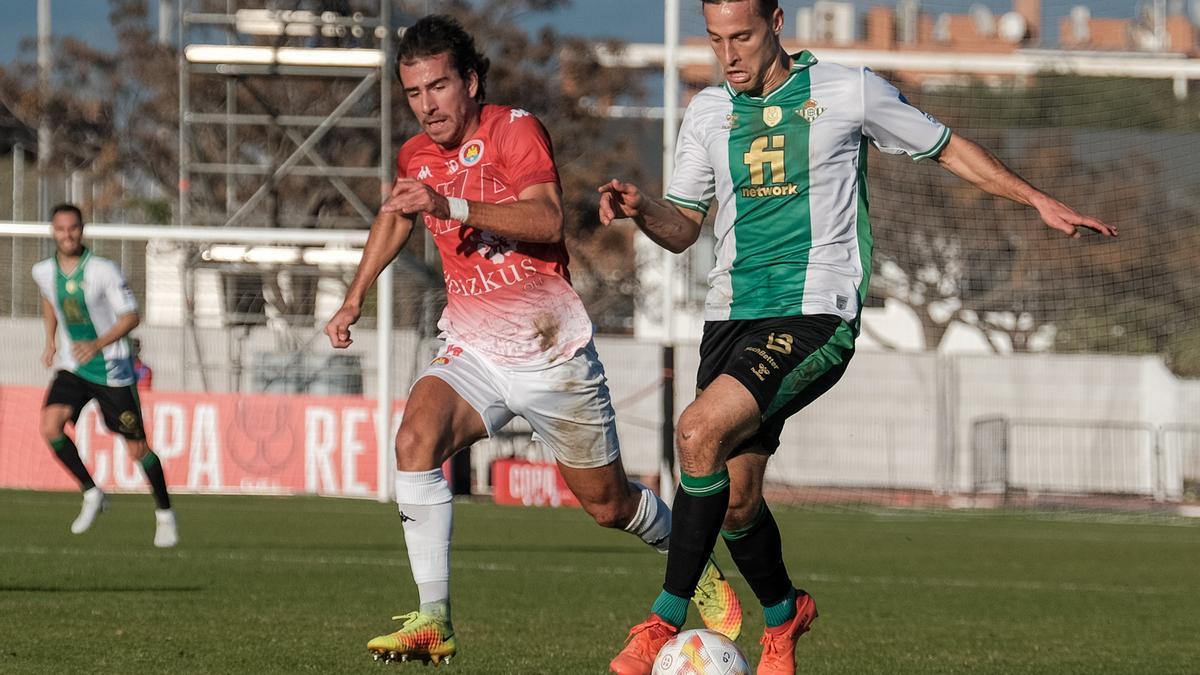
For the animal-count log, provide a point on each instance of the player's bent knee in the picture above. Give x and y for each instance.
(52, 428)
(416, 450)
(699, 446)
(137, 449)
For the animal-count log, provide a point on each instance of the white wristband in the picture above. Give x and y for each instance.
(459, 210)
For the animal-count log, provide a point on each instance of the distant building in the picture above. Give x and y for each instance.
(906, 29)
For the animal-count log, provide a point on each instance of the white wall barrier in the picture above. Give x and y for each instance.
(901, 421)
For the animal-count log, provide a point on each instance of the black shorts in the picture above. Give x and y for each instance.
(786, 363)
(120, 407)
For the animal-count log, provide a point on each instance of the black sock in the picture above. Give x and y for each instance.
(696, 517)
(757, 550)
(158, 482)
(68, 455)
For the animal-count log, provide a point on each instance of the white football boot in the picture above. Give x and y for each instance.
(165, 533)
(94, 501)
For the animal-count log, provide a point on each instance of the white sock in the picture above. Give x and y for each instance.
(652, 522)
(427, 516)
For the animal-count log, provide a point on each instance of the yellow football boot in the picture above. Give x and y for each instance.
(718, 604)
(422, 637)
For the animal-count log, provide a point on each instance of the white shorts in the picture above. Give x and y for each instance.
(567, 405)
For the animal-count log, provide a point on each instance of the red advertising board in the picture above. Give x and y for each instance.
(208, 443)
(524, 483)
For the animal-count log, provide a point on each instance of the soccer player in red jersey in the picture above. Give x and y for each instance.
(516, 337)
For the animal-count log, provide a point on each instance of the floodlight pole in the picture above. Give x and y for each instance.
(230, 111)
(666, 478)
(385, 287)
(181, 217)
(18, 213)
(44, 64)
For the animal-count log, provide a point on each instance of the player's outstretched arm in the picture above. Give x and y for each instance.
(974, 164)
(671, 227)
(536, 216)
(389, 233)
(50, 321)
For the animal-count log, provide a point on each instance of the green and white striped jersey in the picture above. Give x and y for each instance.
(87, 302)
(788, 171)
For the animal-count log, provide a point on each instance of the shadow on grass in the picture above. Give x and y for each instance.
(32, 588)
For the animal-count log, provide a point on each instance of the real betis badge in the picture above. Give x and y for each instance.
(810, 111)
(772, 115)
(70, 285)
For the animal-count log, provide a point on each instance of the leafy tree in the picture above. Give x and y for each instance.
(953, 253)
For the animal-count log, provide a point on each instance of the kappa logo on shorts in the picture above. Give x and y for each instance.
(127, 421)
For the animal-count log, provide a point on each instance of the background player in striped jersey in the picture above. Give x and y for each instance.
(88, 311)
(517, 339)
(781, 146)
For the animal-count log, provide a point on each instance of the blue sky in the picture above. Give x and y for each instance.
(631, 20)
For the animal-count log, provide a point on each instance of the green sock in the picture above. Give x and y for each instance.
(672, 608)
(68, 454)
(782, 611)
(152, 468)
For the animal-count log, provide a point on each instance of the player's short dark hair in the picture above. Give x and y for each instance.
(766, 8)
(440, 34)
(67, 208)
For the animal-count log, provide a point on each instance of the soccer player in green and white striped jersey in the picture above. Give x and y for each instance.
(781, 146)
(88, 311)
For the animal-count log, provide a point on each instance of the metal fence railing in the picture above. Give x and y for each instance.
(1084, 458)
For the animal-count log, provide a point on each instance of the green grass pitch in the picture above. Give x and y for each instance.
(294, 585)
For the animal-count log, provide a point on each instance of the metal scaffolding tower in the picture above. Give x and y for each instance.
(262, 47)
(282, 50)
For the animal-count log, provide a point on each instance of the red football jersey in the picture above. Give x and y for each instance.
(509, 299)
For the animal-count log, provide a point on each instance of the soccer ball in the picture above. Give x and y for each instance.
(700, 652)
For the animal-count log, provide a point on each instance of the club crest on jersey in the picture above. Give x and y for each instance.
(471, 153)
(810, 111)
(772, 115)
(71, 285)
